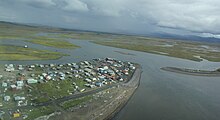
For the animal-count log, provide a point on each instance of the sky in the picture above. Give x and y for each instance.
(181, 17)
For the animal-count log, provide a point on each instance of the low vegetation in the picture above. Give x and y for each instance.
(21, 32)
(8, 52)
(54, 89)
(50, 90)
(72, 103)
(53, 42)
(174, 48)
(40, 111)
(169, 48)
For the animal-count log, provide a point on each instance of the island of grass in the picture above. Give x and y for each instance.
(53, 42)
(32, 34)
(196, 72)
(10, 52)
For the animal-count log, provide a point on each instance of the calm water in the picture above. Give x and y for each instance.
(162, 95)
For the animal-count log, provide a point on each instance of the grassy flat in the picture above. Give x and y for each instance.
(52, 42)
(49, 90)
(8, 52)
(151, 49)
(37, 112)
(171, 48)
(31, 34)
(174, 48)
(75, 102)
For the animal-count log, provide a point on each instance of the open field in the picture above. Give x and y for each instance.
(172, 48)
(8, 52)
(54, 89)
(52, 42)
(32, 34)
(40, 111)
(46, 41)
(72, 103)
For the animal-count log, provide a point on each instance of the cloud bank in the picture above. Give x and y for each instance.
(131, 16)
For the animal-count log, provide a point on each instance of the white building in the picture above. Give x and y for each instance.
(7, 98)
(20, 83)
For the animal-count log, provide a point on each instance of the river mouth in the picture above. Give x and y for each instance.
(161, 95)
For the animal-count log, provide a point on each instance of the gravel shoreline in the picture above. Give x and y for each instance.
(192, 72)
(133, 83)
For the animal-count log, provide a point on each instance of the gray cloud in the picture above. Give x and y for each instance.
(75, 5)
(111, 8)
(39, 3)
(135, 16)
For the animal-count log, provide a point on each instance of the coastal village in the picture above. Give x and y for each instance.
(26, 86)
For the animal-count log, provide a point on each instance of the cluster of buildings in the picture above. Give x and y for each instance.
(9, 68)
(110, 70)
(94, 73)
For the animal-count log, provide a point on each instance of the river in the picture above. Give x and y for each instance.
(161, 95)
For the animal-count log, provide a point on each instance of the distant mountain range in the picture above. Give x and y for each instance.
(188, 37)
(156, 35)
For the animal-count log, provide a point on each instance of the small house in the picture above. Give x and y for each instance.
(98, 84)
(41, 66)
(4, 84)
(48, 77)
(82, 90)
(17, 98)
(44, 74)
(62, 78)
(20, 83)
(13, 87)
(16, 115)
(88, 80)
(88, 70)
(94, 79)
(31, 81)
(7, 98)
(76, 66)
(52, 65)
(32, 66)
(105, 67)
(102, 77)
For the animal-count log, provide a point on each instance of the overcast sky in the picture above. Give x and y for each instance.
(184, 17)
